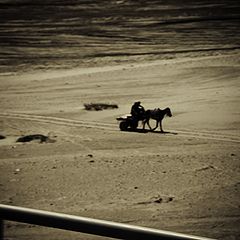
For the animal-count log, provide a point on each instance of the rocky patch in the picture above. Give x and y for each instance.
(39, 137)
(2, 137)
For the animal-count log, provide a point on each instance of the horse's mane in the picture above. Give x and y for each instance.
(156, 109)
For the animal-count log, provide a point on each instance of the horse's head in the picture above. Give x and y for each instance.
(168, 112)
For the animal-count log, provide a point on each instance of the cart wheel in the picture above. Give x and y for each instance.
(123, 126)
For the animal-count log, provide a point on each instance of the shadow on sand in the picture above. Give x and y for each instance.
(138, 130)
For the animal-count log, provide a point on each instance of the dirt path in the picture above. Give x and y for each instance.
(209, 135)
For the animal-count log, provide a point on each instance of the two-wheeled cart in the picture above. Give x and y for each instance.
(127, 123)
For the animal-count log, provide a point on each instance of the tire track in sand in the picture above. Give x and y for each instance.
(59, 121)
(114, 127)
(208, 135)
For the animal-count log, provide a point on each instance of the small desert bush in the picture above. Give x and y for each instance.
(99, 106)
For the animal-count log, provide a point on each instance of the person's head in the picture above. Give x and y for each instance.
(137, 103)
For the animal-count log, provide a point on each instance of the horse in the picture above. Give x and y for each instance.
(156, 114)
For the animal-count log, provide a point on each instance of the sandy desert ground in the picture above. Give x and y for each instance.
(57, 55)
(186, 180)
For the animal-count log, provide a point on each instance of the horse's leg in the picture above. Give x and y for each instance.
(149, 125)
(161, 127)
(156, 125)
(143, 124)
(146, 121)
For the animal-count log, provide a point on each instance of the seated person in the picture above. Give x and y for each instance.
(137, 111)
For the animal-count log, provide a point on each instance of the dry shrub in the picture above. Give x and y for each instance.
(99, 106)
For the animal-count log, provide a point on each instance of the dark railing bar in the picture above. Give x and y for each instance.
(87, 225)
(1, 229)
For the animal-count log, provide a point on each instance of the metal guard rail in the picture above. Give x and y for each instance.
(85, 225)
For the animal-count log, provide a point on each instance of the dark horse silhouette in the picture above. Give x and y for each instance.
(156, 114)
